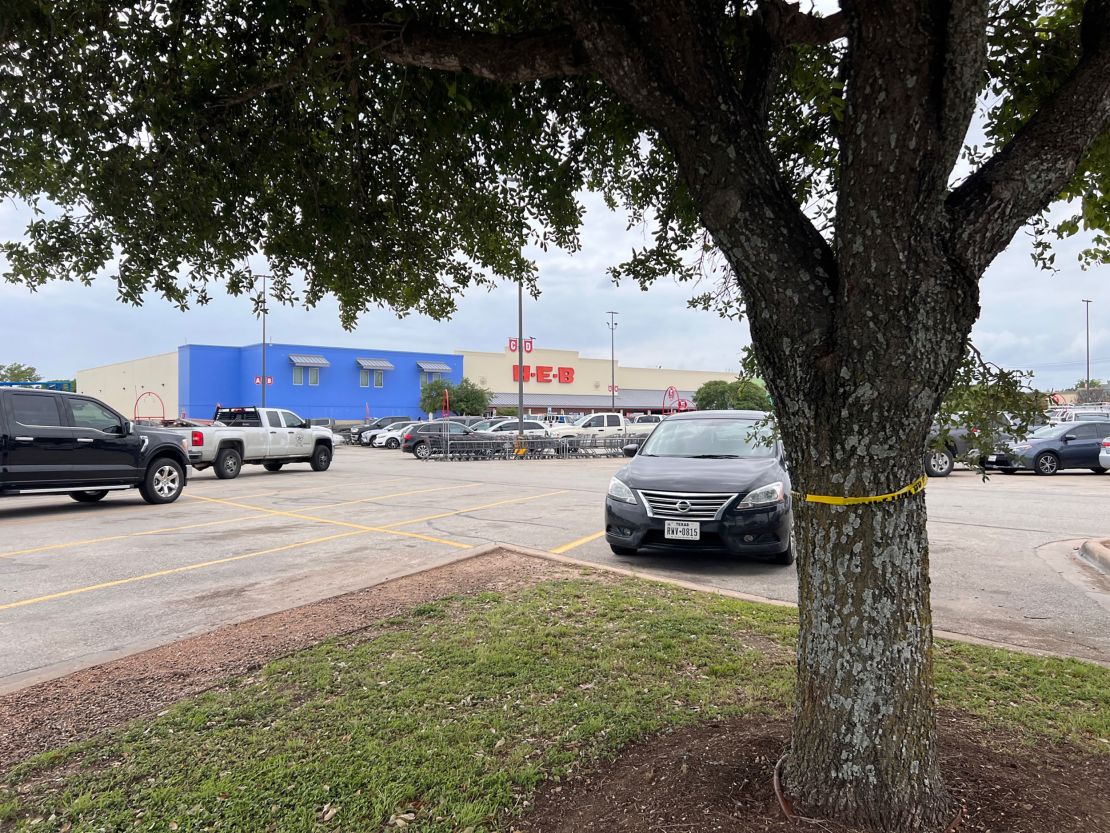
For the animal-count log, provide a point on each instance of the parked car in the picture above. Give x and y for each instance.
(648, 419)
(52, 442)
(392, 435)
(357, 431)
(425, 437)
(1068, 445)
(602, 425)
(703, 479)
(532, 427)
(1104, 454)
(270, 437)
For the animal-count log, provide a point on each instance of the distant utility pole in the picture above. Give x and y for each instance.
(1087, 384)
(612, 324)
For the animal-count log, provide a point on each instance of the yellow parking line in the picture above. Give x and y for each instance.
(472, 509)
(67, 544)
(359, 529)
(172, 571)
(579, 542)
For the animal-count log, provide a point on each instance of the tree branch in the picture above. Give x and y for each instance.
(1037, 163)
(511, 59)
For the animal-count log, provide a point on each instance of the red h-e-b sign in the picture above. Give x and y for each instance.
(544, 373)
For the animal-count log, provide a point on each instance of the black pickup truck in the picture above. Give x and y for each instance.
(64, 443)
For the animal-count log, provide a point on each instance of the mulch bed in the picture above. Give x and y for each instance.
(718, 777)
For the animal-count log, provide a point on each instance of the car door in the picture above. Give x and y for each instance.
(277, 441)
(594, 425)
(1076, 445)
(106, 450)
(1084, 449)
(297, 437)
(40, 443)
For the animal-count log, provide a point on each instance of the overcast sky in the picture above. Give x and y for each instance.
(1031, 319)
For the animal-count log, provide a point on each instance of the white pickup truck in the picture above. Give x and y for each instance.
(603, 425)
(271, 437)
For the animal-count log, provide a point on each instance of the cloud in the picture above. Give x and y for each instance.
(1030, 319)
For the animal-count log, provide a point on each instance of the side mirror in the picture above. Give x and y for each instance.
(1069, 437)
(631, 449)
(128, 428)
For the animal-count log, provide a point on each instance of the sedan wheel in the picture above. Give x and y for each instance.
(1046, 463)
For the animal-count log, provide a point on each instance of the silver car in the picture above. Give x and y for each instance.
(1104, 454)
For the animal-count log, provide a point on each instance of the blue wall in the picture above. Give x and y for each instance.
(211, 374)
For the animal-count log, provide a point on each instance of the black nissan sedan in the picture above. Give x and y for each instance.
(703, 479)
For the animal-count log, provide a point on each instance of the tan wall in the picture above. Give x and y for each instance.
(591, 376)
(121, 384)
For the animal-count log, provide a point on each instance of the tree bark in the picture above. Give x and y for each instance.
(864, 740)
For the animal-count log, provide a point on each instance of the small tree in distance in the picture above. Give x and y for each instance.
(743, 395)
(16, 372)
(466, 398)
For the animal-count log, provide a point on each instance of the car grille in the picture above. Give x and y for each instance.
(698, 506)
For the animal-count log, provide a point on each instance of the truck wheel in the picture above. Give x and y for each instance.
(321, 458)
(88, 497)
(163, 482)
(228, 464)
(272, 466)
(939, 463)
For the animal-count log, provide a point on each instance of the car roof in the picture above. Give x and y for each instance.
(719, 415)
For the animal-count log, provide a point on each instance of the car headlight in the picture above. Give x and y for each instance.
(619, 491)
(1021, 447)
(764, 495)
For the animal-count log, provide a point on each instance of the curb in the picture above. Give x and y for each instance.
(1096, 553)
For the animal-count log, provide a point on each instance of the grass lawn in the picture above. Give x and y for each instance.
(450, 716)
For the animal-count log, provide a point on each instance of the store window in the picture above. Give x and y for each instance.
(314, 376)
(379, 378)
(364, 379)
(298, 375)
(431, 377)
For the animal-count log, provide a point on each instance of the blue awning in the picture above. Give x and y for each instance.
(309, 361)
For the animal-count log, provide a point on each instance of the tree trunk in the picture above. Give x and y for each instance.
(864, 741)
(864, 747)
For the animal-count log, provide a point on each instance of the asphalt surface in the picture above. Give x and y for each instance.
(80, 584)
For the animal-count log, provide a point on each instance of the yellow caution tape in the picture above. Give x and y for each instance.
(915, 487)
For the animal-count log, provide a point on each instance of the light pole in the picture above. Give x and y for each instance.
(1087, 378)
(264, 310)
(612, 324)
(520, 363)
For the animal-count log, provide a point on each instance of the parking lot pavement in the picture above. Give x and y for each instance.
(80, 583)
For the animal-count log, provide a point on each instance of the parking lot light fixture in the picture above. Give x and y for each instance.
(1087, 378)
(612, 324)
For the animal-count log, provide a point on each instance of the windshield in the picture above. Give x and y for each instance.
(708, 438)
(1051, 432)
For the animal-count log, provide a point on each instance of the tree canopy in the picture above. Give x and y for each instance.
(466, 398)
(16, 372)
(741, 394)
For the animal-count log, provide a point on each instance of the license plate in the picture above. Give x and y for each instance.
(682, 530)
(992, 458)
